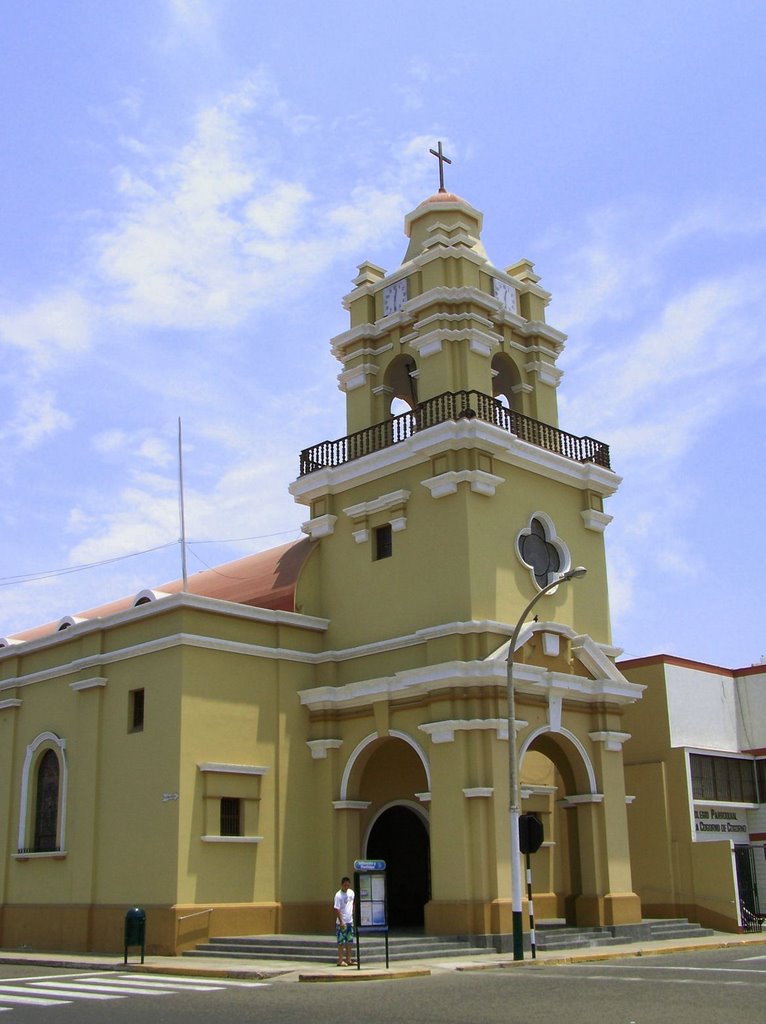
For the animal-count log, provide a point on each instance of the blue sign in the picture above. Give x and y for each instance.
(369, 865)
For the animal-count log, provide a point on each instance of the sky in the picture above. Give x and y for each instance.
(189, 185)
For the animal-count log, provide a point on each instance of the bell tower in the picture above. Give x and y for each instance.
(447, 320)
(454, 469)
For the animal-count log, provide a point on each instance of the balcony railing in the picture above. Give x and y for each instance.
(453, 405)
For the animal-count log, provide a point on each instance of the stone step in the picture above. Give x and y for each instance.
(323, 950)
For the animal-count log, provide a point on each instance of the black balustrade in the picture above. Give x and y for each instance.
(453, 405)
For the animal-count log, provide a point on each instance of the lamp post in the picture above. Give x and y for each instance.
(513, 765)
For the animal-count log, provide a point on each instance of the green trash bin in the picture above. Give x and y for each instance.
(135, 930)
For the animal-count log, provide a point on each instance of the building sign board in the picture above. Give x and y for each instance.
(720, 823)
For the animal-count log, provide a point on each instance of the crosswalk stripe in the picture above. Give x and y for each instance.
(97, 986)
(7, 996)
(191, 982)
(51, 988)
(155, 985)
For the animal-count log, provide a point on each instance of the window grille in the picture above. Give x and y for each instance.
(729, 779)
(47, 803)
(231, 814)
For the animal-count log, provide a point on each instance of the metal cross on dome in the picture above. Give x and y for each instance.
(442, 161)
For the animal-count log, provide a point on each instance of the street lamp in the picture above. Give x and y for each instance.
(513, 765)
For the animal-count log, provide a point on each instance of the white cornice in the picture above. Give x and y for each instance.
(455, 435)
(231, 769)
(162, 607)
(479, 481)
(432, 679)
(381, 504)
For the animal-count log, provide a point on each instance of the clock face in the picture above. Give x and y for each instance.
(506, 294)
(394, 297)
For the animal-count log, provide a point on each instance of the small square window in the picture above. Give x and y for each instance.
(231, 816)
(136, 711)
(384, 547)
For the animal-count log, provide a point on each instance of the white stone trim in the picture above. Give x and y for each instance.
(583, 798)
(232, 769)
(398, 523)
(370, 738)
(551, 644)
(555, 707)
(360, 536)
(478, 791)
(351, 805)
(381, 504)
(131, 615)
(57, 744)
(356, 377)
(612, 741)
(479, 481)
(424, 798)
(319, 748)
(10, 703)
(431, 679)
(629, 800)
(444, 732)
(231, 839)
(595, 520)
(588, 764)
(88, 684)
(321, 526)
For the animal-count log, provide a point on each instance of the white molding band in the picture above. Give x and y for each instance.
(478, 791)
(444, 732)
(321, 526)
(612, 741)
(88, 684)
(231, 839)
(231, 769)
(319, 748)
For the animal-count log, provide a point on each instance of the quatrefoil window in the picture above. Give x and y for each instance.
(541, 551)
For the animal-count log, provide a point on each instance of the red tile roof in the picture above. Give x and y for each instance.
(264, 580)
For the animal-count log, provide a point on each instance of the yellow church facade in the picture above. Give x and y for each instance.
(221, 755)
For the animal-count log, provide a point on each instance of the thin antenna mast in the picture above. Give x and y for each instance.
(182, 540)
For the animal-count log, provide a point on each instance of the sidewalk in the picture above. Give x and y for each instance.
(287, 971)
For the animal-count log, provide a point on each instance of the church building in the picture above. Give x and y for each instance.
(221, 754)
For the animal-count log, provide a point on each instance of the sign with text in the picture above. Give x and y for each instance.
(720, 823)
(371, 902)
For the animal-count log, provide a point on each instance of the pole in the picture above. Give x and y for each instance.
(533, 943)
(182, 540)
(513, 766)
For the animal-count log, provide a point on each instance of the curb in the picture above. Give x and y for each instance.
(368, 975)
(595, 956)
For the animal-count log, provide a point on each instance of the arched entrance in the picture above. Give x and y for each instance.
(553, 770)
(399, 837)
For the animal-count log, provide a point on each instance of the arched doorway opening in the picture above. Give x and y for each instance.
(399, 836)
(553, 770)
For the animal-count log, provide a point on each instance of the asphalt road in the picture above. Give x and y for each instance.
(707, 987)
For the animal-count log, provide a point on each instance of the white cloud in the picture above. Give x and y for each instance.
(36, 418)
(54, 326)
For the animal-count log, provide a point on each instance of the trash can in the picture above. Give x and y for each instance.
(135, 930)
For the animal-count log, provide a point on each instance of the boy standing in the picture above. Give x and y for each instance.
(344, 921)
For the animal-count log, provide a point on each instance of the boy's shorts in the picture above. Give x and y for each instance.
(344, 933)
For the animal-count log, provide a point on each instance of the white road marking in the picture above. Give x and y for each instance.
(84, 986)
(51, 988)
(156, 984)
(20, 996)
(182, 979)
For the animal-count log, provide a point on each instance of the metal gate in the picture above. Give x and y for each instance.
(750, 910)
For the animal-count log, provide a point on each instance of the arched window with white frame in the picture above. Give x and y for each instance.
(42, 817)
